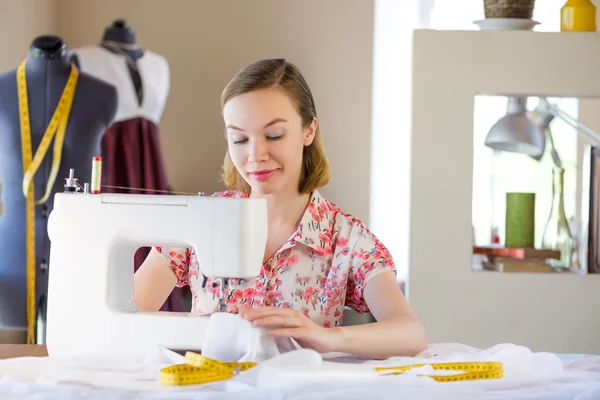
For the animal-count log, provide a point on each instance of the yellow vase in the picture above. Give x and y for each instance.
(578, 16)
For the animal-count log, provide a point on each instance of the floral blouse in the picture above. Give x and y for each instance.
(324, 266)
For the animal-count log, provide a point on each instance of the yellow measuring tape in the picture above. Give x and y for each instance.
(470, 370)
(57, 126)
(198, 369)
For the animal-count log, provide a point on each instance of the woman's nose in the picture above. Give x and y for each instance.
(258, 151)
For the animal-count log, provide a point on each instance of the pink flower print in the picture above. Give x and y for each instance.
(314, 212)
(299, 293)
(259, 286)
(305, 311)
(337, 313)
(278, 282)
(308, 293)
(272, 295)
(249, 293)
(323, 208)
(286, 304)
(359, 276)
(306, 279)
(342, 241)
(327, 323)
(285, 262)
(237, 294)
(298, 279)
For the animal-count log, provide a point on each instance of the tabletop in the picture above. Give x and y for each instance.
(22, 350)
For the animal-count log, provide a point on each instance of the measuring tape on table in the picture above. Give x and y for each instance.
(198, 369)
(57, 127)
(471, 371)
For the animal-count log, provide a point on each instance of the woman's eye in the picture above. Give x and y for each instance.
(239, 141)
(274, 137)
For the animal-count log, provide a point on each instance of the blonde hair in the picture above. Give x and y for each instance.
(268, 73)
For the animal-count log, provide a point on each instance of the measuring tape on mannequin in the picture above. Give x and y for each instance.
(198, 369)
(57, 127)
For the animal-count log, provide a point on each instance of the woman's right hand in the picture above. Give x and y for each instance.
(230, 308)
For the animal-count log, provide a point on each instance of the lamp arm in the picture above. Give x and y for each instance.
(588, 133)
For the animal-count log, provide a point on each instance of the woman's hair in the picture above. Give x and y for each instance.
(279, 73)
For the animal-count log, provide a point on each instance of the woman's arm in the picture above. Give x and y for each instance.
(397, 331)
(153, 282)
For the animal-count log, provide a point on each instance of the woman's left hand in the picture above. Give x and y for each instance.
(287, 322)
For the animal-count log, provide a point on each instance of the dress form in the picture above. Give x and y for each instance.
(131, 154)
(93, 109)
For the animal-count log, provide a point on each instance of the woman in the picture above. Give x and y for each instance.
(318, 258)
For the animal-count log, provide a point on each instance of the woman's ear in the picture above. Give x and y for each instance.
(310, 131)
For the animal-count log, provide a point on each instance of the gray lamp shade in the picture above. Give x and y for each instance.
(516, 132)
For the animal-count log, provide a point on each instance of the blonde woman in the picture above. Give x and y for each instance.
(318, 258)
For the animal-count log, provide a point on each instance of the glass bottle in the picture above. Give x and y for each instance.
(578, 16)
(557, 235)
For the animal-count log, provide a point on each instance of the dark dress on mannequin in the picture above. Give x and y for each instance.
(131, 153)
(93, 110)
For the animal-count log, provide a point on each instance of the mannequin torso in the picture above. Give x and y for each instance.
(120, 39)
(93, 110)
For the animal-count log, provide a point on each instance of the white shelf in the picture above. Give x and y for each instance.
(551, 312)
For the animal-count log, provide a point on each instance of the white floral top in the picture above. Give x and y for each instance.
(324, 266)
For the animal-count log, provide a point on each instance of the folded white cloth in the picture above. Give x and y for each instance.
(231, 338)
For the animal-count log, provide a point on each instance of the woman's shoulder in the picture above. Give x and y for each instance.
(349, 235)
(230, 193)
(335, 213)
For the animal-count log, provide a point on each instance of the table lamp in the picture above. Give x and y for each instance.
(524, 132)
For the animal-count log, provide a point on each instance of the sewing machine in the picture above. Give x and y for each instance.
(91, 309)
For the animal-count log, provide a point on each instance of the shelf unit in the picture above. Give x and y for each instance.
(545, 312)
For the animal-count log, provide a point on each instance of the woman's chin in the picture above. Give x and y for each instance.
(265, 188)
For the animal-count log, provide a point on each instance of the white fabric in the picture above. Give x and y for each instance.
(304, 374)
(112, 68)
(231, 338)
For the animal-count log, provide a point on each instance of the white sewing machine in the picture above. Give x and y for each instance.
(91, 309)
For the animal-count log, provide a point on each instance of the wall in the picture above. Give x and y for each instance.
(20, 22)
(206, 43)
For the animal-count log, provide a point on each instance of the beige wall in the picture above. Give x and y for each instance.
(207, 42)
(20, 22)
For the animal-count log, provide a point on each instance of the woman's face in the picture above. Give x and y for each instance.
(266, 140)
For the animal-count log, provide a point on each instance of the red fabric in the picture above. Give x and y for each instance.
(132, 158)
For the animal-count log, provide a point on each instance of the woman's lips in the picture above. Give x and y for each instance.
(263, 175)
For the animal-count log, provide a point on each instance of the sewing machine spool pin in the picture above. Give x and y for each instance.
(71, 185)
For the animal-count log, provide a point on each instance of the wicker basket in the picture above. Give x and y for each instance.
(508, 8)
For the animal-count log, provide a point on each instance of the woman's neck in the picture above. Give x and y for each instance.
(285, 208)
